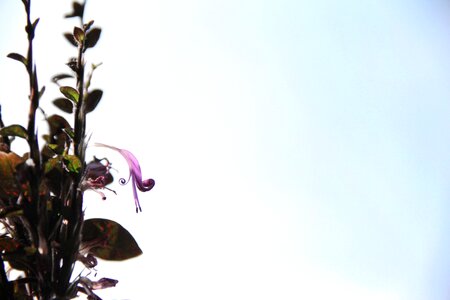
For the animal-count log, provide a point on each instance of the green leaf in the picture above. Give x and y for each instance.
(92, 100)
(78, 34)
(73, 163)
(111, 241)
(18, 57)
(92, 37)
(52, 163)
(64, 104)
(14, 130)
(70, 93)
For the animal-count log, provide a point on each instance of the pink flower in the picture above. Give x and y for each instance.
(135, 174)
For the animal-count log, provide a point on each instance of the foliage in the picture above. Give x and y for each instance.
(44, 232)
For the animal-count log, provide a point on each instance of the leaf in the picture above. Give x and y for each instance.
(56, 124)
(88, 25)
(111, 241)
(73, 64)
(41, 92)
(35, 24)
(70, 38)
(77, 10)
(92, 100)
(18, 57)
(73, 163)
(70, 93)
(92, 37)
(78, 34)
(14, 130)
(64, 104)
(58, 77)
(8, 181)
(51, 164)
(57, 135)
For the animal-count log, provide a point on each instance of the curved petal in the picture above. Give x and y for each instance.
(135, 174)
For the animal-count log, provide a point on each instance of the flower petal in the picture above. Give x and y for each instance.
(135, 174)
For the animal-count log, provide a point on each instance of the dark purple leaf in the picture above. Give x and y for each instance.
(109, 239)
(77, 10)
(92, 100)
(59, 77)
(64, 104)
(18, 57)
(88, 25)
(41, 92)
(92, 37)
(70, 38)
(35, 23)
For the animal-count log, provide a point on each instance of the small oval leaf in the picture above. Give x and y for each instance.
(70, 93)
(14, 130)
(18, 57)
(70, 38)
(92, 37)
(88, 25)
(111, 240)
(61, 76)
(92, 100)
(64, 104)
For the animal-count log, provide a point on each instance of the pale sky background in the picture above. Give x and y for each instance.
(301, 149)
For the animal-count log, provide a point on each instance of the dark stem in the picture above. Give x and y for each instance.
(34, 91)
(75, 219)
(37, 211)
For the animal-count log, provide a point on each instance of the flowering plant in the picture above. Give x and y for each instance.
(44, 233)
